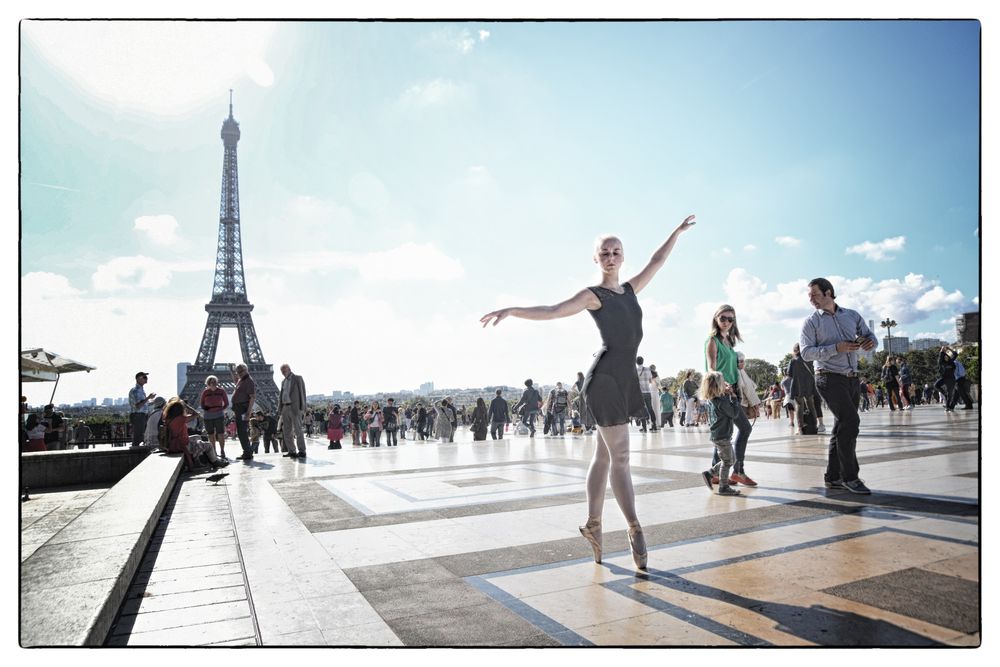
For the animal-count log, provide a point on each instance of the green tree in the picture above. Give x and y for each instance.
(783, 364)
(969, 356)
(763, 373)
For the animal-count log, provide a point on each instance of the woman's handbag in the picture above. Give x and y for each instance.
(751, 411)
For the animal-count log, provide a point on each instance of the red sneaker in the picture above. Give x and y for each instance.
(715, 480)
(744, 480)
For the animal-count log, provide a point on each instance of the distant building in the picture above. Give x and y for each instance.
(182, 376)
(927, 344)
(108, 402)
(426, 388)
(896, 344)
(967, 328)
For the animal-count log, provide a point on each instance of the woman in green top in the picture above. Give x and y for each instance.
(720, 356)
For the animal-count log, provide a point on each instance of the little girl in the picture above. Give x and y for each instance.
(722, 409)
(335, 427)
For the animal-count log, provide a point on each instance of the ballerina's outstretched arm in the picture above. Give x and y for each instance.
(642, 278)
(582, 300)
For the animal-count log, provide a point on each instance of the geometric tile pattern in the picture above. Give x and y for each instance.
(462, 544)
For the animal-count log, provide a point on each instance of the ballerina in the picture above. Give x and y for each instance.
(611, 387)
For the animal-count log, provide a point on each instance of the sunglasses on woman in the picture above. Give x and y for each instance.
(726, 318)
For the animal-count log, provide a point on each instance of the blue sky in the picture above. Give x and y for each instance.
(398, 180)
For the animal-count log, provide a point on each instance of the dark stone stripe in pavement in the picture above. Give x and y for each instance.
(423, 600)
(489, 624)
(949, 602)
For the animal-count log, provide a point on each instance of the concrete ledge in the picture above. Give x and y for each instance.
(46, 470)
(73, 585)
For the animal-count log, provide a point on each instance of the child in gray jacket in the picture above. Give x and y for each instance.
(722, 410)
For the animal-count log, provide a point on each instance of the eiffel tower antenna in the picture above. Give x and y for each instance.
(229, 306)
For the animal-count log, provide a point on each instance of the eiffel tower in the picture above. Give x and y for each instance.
(229, 306)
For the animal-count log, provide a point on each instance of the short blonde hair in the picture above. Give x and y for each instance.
(713, 385)
(599, 241)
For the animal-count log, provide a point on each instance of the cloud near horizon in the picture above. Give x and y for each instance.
(788, 241)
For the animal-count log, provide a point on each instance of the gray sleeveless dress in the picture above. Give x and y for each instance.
(611, 386)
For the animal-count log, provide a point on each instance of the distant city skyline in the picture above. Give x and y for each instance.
(398, 180)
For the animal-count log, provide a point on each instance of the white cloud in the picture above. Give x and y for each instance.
(438, 92)
(141, 272)
(749, 247)
(45, 285)
(880, 251)
(161, 229)
(787, 241)
(936, 298)
(454, 40)
(158, 67)
(975, 300)
(656, 315)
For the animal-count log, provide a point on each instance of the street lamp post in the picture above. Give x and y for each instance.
(888, 323)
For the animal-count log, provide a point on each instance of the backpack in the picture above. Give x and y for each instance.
(561, 400)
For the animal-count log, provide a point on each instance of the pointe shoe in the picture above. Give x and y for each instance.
(592, 533)
(637, 543)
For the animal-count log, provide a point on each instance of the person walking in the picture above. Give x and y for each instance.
(479, 420)
(243, 400)
(611, 388)
(890, 378)
(802, 390)
(720, 356)
(390, 422)
(962, 386)
(499, 415)
(531, 401)
(690, 388)
(723, 411)
(559, 405)
(442, 424)
(293, 406)
(645, 377)
(905, 381)
(831, 338)
(666, 406)
(139, 410)
(946, 383)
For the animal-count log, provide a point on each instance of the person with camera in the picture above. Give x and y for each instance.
(830, 339)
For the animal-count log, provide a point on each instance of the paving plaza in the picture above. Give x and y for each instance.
(473, 544)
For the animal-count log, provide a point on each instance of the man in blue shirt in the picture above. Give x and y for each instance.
(831, 338)
(139, 408)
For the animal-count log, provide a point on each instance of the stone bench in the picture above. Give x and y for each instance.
(73, 585)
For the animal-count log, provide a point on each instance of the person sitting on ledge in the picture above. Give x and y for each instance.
(176, 414)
